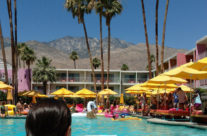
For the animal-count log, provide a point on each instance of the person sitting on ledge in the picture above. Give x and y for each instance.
(49, 118)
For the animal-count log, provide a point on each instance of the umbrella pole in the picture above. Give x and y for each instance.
(190, 98)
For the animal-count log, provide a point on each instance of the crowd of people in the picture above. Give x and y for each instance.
(176, 99)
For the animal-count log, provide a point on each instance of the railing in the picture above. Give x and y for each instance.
(75, 79)
(141, 80)
(98, 80)
(129, 80)
(203, 82)
(61, 79)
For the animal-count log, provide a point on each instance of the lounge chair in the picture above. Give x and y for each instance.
(199, 117)
(172, 113)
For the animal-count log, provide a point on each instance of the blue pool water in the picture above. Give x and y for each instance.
(82, 126)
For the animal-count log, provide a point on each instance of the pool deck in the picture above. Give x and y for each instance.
(176, 123)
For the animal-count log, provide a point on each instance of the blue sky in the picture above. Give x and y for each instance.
(46, 20)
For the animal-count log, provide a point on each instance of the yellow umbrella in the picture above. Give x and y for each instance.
(25, 93)
(1, 82)
(137, 92)
(136, 87)
(107, 92)
(85, 91)
(186, 88)
(9, 95)
(187, 73)
(166, 80)
(153, 85)
(62, 92)
(200, 64)
(157, 91)
(34, 93)
(5, 86)
(122, 99)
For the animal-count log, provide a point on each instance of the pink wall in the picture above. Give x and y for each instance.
(181, 59)
(23, 79)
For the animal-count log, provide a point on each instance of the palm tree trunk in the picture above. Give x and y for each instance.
(15, 53)
(3, 55)
(109, 46)
(90, 56)
(163, 37)
(29, 72)
(156, 37)
(12, 43)
(44, 87)
(101, 47)
(74, 64)
(19, 61)
(146, 38)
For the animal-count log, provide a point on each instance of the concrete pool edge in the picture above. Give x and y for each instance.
(175, 123)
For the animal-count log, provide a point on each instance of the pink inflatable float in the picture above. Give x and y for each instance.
(109, 115)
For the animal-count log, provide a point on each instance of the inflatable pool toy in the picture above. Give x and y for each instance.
(10, 108)
(123, 119)
(109, 115)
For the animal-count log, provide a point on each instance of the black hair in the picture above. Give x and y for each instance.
(48, 117)
(179, 88)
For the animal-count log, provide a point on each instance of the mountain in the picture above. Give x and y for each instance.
(69, 44)
(122, 52)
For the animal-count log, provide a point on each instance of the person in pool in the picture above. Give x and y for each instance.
(49, 118)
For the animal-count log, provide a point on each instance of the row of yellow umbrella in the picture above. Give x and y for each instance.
(167, 80)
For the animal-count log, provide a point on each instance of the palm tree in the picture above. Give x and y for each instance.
(152, 59)
(163, 37)
(3, 55)
(44, 72)
(15, 51)
(111, 9)
(20, 49)
(124, 67)
(9, 5)
(28, 56)
(78, 8)
(146, 38)
(96, 62)
(99, 9)
(156, 37)
(74, 56)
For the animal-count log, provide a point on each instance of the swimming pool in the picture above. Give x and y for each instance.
(82, 126)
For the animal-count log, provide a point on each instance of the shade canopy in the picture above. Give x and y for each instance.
(137, 92)
(154, 86)
(5, 86)
(185, 72)
(85, 91)
(166, 80)
(107, 92)
(200, 64)
(34, 94)
(62, 92)
(186, 88)
(136, 87)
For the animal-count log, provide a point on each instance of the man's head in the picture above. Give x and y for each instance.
(49, 118)
(179, 89)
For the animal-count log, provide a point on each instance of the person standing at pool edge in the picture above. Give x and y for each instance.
(49, 118)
